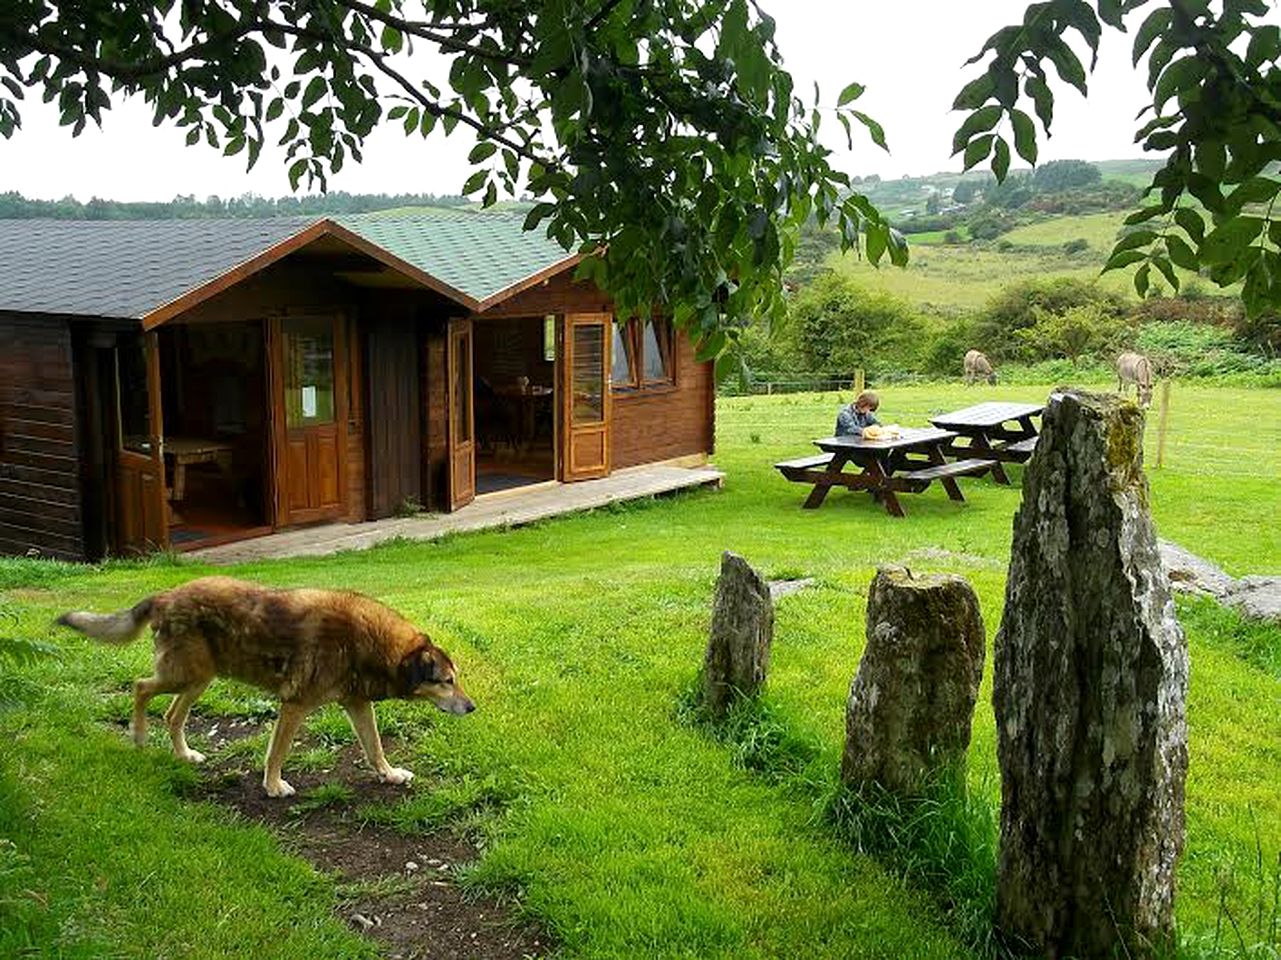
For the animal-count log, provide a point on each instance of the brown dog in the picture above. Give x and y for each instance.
(309, 647)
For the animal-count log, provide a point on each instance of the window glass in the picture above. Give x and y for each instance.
(132, 404)
(588, 374)
(656, 350)
(309, 371)
(622, 371)
(549, 338)
(460, 378)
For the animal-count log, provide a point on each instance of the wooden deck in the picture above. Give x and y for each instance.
(506, 508)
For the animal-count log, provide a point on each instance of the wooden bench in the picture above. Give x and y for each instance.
(957, 468)
(1022, 447)
(799, 468)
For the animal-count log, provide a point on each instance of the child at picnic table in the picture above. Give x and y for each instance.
(859, 414)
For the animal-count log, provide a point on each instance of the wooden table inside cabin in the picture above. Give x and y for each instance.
(996, 431)
(188, 451)
(905, 464)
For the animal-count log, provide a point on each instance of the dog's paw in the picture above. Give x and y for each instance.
(191, 756)
(396, 775)
(139, 737)
(278, 789)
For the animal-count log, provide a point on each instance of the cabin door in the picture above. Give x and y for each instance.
(141, 521)
(462, 422)
(309, 410)
(584, 392)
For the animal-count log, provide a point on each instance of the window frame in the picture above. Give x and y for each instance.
(631, 334)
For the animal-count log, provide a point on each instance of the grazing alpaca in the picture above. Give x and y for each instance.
(978, 367)
(1136, 369)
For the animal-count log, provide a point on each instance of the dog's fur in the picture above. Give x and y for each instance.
(308, 647)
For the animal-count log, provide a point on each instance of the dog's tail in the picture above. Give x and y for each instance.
(114, 628)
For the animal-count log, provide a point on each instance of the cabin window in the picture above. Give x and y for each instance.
(588, 387)
(132, 398)
(309, 371)
(643, 355)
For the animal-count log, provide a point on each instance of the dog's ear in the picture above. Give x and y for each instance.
(416, 668)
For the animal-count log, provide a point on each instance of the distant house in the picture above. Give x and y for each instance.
(187, 382)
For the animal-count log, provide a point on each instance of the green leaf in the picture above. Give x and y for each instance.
(978, 150)
(1167, 271)
(974, 93)
(1000, 159)
(1123, 259)
(1191, 221)
(1226, 242)
(475, 182)
(1066, 62)
(1156, 24)
(1042, 99)
(1180, 76)
(316, 88)
(875, 241)
(1182, 254)
(1134, 239)
(536, 216)
(1265, 46)
(482, 151)
(1211, 158)
(1145, 214)
(275, 109)
(1024, 135)
(1141, 280)
(1254, 190)
(980, 120)
(874, 129)
(850, 93)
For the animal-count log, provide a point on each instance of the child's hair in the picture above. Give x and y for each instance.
(867, 399)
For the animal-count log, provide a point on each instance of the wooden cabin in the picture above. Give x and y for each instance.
(177, 384)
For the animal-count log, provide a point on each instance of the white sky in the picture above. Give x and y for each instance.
(910, 58)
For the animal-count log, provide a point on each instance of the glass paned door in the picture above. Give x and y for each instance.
(585, 413)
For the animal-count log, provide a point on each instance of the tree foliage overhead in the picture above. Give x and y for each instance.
(1215, 115)
(663, 132)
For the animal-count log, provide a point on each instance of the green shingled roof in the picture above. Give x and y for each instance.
(480, 254)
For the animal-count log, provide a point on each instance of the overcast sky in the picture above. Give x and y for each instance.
(909, 55)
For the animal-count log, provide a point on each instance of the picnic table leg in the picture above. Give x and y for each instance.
(980, 443)
(880, 488)
(821, 487)
(949, 483)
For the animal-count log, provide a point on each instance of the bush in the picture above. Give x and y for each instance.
(1079, 330)
(840, 326)
(1079, 245)
(996, 330)
(1183, 348)
(952, 237)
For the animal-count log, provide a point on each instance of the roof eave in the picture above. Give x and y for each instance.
(533, 280)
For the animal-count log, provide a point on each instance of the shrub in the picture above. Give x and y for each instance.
(840, 326)
(1079, 330)
(1184, 348)
(996, 330)
(952, 237)
(1079, 245)
(944, 354)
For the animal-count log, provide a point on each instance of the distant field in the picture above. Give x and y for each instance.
(958, 279)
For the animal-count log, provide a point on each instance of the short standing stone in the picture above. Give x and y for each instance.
(912, 701)
(1090, 682)
(742, 629)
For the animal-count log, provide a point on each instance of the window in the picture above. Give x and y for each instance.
(132, 398)
(549, 338)
(643, 355)
(309, 371)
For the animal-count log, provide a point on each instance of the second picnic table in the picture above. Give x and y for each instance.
(1001, 432)
(907, 463)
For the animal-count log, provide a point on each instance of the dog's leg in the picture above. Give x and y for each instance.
(361, 715)
(143, 691)
(282, 738)
(176, 719)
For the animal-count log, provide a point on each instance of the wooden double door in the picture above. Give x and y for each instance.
(583, 343)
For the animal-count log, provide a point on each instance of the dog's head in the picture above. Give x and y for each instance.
(427, 673)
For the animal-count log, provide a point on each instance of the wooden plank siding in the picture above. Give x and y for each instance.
(394, 434)
(650, 426)
(40, 499)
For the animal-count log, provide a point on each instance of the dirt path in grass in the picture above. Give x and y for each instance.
(402, 890)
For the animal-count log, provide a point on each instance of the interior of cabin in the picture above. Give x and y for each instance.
(515, 411)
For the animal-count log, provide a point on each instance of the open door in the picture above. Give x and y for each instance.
(309, 412)
(462, 423)
(585, 399)
(141, 521)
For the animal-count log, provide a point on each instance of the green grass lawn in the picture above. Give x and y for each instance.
(626, 831)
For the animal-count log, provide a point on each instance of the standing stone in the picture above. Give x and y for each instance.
(911, 703)
(1090, 683)
(742, 629)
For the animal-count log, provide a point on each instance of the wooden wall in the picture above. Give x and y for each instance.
(435, 418)
(649, 426)
(39, 463)
(394, 435)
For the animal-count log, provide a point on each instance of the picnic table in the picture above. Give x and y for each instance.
(1001, 432)
(905, 464)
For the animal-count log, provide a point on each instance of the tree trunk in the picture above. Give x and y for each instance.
(742, 629)
(1090, 683)
(912, 701)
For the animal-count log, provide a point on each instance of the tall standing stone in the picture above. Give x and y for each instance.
(742, 630)
(1090, 683)
(908, 717)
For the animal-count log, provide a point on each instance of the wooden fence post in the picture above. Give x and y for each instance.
(1162, 421)
(858, 381)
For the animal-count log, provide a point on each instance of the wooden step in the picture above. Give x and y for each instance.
(958, 468)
